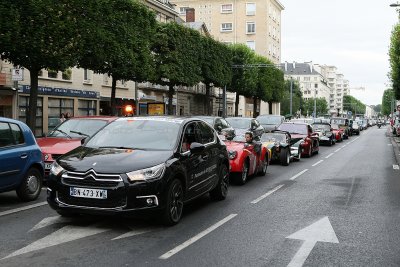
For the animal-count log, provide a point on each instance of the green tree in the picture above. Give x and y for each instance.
(177, 51)
(297, 98)
(216, 66)
(354, 105)
(321, 106)
(394, 58)
(39, 34)
(117, 37)
(387, 98)
(278, 85)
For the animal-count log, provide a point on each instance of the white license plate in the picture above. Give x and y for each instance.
(47, 166)
(88, 193)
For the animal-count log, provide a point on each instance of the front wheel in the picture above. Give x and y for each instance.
(31, 185)
(174, 203)
(265, 165)
(285, 157)
(221, 190)
(242, 179)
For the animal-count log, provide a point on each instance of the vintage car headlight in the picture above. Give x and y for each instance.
(147, 174)
(56, 169)
(46, 157)
(232, 154)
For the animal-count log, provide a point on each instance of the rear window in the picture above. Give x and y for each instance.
(293, 128)
(17, 134)
(6, 138)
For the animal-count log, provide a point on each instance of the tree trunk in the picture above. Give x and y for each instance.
(33, 96)
(208, 99)
(237, 105)
(269, 107)
(171, 92)
(113, 91)
(255, 100)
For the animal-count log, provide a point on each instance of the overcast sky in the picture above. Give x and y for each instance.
(353, 35)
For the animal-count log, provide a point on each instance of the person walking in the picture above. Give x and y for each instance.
(62, 118)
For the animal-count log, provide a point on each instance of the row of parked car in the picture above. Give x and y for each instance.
(110, 165)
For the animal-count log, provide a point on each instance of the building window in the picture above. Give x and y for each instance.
(251, 45)
(87, 76)
(307, 79)
(250, 27)
(316, 85)
(86, 107)
(56, 106)
(182, 10)
(226, 8)
(250, 9)
(23, 111)
(226, 27)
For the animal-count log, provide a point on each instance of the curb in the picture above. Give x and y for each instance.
(395, 144)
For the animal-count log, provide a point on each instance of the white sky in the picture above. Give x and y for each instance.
(353, 35)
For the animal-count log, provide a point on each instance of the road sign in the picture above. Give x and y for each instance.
(17, 74)
(349, 113)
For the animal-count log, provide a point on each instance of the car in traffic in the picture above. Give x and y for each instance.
(344, 124)
(243, 125)
(246, 159)
(309, 142)
(154, 164)
(325, 133)
(69, 135)
(21, 164)
(220, 125)
(338, 132)
(355, 128)
(280, 144)
(270, 122)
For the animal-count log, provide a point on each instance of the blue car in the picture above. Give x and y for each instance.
(21, 164)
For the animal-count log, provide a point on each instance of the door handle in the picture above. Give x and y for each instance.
(24, 156)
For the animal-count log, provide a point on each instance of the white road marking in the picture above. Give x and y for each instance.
(49, 221)
(389, 144)
(267, 194)
(23, 208)
(395, 167)
(320, 231)
(343, 146)
(64, 235)
(327, 157)
(337, 150)
(315, 164)
(297, 175)
(196, 237)
(133, 233)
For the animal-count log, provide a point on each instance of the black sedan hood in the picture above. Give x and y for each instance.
(112, 160)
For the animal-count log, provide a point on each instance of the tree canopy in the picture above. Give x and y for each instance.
(387, 98)
(394, 55)
(297, 98)
(354, 105)
(308, 106)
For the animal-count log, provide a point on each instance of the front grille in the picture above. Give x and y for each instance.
(112, 201)
(91, 179)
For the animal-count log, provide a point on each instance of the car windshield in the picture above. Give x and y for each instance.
(335, 126)
(239, 123)
(272, 137)
(208, 120)
(77, 128)
(239, 138)
(137, 134)
(270, 120)
(293, 128)
(338, 121)
(324, 127)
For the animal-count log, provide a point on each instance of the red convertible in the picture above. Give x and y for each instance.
(309, 140)
(246, 159)
(338, 132)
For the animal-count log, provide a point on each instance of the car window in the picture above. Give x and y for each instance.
(17, 134)
(225, 124)
(6, 138)
(189, 136)
(218, 123)
(241, 123)
(86, 127)
(206, 133)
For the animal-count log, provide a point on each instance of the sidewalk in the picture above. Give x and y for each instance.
(395, 143)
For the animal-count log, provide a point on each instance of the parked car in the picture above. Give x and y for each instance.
(220, 125)
(309, 143)
(246, 159)
(153, 164)
(270, 122)
(344, 124)
(338, 132)
(355, 128)
(69, 135)
(21, 167)
(280, 144)
(325, 134)
(242, 125)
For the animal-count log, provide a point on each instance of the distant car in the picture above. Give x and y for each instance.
(153, 164)
(338, 132)
(242, 125)
(325, 133)
(355, 128)
(280, 144)
(69, 135)
(344, 124)
(21, 164)
(220, 125)
(270, 122)
(246, 159)
(309, 143)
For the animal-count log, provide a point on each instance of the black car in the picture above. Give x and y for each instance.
(270, 122)
(325, 134)
(220, 125)
(242, 125)
(142, 163)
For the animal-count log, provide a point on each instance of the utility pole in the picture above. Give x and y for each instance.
(291, 96)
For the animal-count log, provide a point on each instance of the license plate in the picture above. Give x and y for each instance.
(87, 193)
(47, 166)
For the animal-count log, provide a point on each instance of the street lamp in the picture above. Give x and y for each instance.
(395, 5)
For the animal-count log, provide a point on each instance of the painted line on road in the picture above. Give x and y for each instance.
(315, 164)
(23, 208)
(297, 175)
(267, 194)
(396, 167)
(343, 146)
(196, 237)
(389, 144)
(330, 155)
(337, 150)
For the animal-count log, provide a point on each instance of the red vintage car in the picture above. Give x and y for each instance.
(338, 132)
(68, 136)
(309, 139)
(246, 159)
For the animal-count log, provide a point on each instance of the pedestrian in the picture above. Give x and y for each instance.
(62, 118)
(67, 116)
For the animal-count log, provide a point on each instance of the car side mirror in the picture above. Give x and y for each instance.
(197, 147)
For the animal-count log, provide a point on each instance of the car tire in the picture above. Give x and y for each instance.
(31, 185)
(299, 155)
(265, 165)
(309, 152)
(242, 177)
(173, 209)
(221, 190)
(331, 142)
(285, 157)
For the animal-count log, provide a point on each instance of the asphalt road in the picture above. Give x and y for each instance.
(338, 208)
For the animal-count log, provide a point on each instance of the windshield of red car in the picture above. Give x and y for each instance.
(86, 127)
(272, 137)
(239, 123)
(294, 128)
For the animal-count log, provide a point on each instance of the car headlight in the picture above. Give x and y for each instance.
(46, 157)
(147, 174)
(232, 154)
(56, 169)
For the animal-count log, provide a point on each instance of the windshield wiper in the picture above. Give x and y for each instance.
(121, 147)
(80, 133)
(61, 131)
